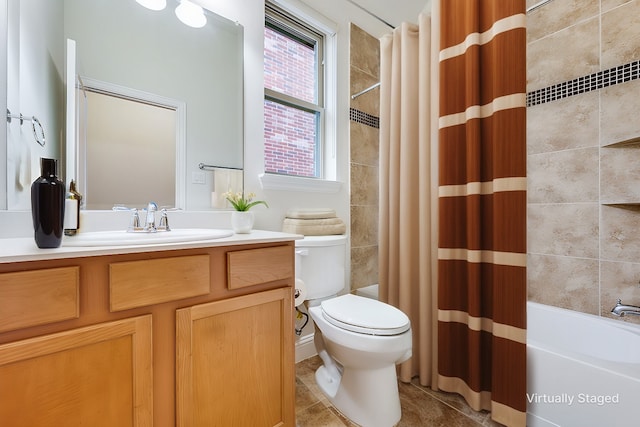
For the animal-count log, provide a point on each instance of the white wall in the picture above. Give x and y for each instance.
(34, 83)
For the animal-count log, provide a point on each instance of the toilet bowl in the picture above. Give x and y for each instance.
(360, 340)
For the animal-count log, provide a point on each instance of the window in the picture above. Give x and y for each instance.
(293, 96)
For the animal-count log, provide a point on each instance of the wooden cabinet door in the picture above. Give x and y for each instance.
(96, 376)
(235, 362)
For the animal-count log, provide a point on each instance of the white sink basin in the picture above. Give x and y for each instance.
(122, 238)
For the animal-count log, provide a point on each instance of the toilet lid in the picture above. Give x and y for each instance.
(364, 315)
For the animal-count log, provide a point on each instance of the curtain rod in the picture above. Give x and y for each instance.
(372, 14)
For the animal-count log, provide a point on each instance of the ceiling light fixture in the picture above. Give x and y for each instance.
(153, 4)
(190, 14)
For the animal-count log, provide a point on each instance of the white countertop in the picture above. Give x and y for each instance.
(21, 249)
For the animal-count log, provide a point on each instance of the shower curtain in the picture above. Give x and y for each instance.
(482, 206)
(405, 226)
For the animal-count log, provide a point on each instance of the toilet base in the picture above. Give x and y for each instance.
(369, 398)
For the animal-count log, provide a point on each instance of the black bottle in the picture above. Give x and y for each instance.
(47, 205)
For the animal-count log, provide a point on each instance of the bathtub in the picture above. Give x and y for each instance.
(582, 370)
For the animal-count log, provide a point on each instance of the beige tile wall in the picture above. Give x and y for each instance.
(365, 71)
(584, 253)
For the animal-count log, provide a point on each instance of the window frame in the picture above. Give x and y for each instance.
(297, 29)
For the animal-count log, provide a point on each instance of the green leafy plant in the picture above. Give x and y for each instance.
(242, 203)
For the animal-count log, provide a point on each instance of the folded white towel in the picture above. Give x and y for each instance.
(312, 222)
(312, 213)
(314, 227)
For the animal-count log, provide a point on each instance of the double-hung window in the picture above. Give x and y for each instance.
(293, 96)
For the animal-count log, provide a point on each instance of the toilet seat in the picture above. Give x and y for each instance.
(364, 315)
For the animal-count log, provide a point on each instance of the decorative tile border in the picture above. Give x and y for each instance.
(595, 81)
(364, 118)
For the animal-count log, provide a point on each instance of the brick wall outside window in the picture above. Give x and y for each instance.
(290, 133)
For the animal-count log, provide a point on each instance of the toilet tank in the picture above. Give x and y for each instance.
(320, 264)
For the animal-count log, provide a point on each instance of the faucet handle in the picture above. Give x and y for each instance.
(164, 220)
(134, 222)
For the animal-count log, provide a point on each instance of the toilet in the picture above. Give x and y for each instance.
(360, 340)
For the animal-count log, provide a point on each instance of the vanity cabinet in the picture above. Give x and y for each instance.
(189, 337)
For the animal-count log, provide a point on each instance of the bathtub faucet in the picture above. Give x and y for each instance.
(622, 309)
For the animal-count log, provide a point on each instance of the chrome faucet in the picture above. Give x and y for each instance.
(150, 219)
(622, 309)
(150, 224)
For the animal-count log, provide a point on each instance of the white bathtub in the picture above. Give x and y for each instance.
(582, 370)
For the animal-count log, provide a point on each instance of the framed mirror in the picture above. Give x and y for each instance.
(121, 44)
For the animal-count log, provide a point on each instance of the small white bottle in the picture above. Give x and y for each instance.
(72, 210)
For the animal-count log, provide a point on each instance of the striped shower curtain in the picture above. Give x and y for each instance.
(482, 206)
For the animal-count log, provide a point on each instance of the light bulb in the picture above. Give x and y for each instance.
(191, 14)
(153, 4)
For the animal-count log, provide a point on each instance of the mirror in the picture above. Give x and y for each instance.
(122, 46)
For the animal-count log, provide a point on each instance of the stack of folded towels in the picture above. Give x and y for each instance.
(313, 222)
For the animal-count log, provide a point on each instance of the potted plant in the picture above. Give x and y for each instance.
(241, 217)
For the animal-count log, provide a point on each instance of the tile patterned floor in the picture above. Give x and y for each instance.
(421, 406)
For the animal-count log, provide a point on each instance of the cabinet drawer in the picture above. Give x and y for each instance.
(29, 298)
(147, 282)
(254, 266)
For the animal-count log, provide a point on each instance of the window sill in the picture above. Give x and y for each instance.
(296, 183)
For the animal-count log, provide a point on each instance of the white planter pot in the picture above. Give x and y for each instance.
(242, 222)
